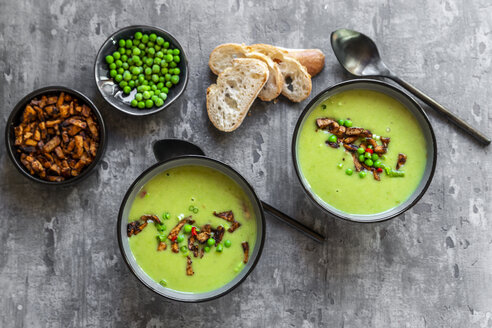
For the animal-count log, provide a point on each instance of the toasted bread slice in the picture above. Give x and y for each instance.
(297, 81)
(223, 55)
(275, 83)
(237, 87)
(312, 59)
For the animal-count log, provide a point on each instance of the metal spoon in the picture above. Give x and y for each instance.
(358, 54)
(169, 148)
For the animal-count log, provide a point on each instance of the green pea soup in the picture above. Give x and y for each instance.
(197, 191)
(323, 168)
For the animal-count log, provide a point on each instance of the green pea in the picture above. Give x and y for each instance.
(134, 103)
(138, 96)
(131, 83)
(145, 38)
(176, 52)
(176, 59)
(369, 162)
(141, 105)
(168, 58)
(113, 73)
(125, 65)
(152, 37)
(118, 78)
(168, 77)
(151, 52)
(164, 63)
(127, 76)
(159, 40)
(146, 95)
(128, 43)
(155, 78)
(340, 122)
(166, 44)
(127, 89)
(367, 155)
(124, 58)
(332, 138)
(177, 71)
(183, 249)
(219, 248)
(348, 123)
(123, 84)
(362, 174)
(160, 227)
(112, 66)
(165, 90)
(149, 103)
(361, 158)
(369, 146)
(136, 52)
(122, 50)
(377, 163)
(374, 157)
(187, 228)
(141, 46)
(159, 102)
(161, 238)
(210, 241)
(138, 35)
(122, 43)
(174, 79)
(156, 68)
(172, 64)
(163, 96)
(349, 171)
(118, 63)
(169, 84)
(340, 165)
(163, 283)
(180, 238)
(159, 54)
(157, 61)
(206, 249)
(361, 150)
(227, 243)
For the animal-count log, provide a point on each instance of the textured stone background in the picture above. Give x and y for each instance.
(432, 267)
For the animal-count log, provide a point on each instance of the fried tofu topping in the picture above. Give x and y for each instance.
(229, 216)
(51, 132)
(189, 269)
(245, 251)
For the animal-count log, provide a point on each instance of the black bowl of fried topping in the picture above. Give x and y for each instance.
(55, 135)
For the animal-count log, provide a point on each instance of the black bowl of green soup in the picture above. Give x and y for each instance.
(364, 151)
(191, 228)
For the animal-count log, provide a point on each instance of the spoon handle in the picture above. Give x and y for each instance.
(293, 223)
(482, 138)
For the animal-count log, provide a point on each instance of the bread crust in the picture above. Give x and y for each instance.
(312, 59)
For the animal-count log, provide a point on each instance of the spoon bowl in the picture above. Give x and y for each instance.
(359, 55)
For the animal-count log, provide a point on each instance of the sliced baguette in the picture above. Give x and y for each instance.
(237, 87)
(275, 83)
(312, 59)
(297, 81)
(223, 55)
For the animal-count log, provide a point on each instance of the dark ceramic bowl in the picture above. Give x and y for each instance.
(412, 107)
(111, 91)
(132, 193)
(15, 118)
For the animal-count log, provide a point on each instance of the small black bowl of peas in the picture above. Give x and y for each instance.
(140, 70)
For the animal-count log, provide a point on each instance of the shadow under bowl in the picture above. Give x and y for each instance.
(110, 90)
(15, 119)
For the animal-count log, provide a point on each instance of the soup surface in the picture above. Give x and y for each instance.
(197, 192)
(324, 168)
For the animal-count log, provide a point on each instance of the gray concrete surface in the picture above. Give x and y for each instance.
(431, 267)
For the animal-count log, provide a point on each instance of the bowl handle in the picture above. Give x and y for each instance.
(166, 149)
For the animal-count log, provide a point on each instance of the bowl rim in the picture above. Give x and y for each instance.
(20, 106)
(175, 42)
(184, 157)
(384, 85)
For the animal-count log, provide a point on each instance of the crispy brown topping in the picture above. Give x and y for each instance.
(354, 131)
(203, 236)
(323, 123)
(234, 226)
(402, 159)
(340, 133)
(49, 132)
(372, 142)
(333, 144)
(134, 228)
(349, 140)
(162, 246)
(191, 245)
(175, 231)
(189, 269)
(218, 234)
(350, 147)
(385, 141)
(228, 216)
(358, 166)
(246, 251)
(174, 247)
(366, 134)
(150, 217)
(379, 150)
(376, 174)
